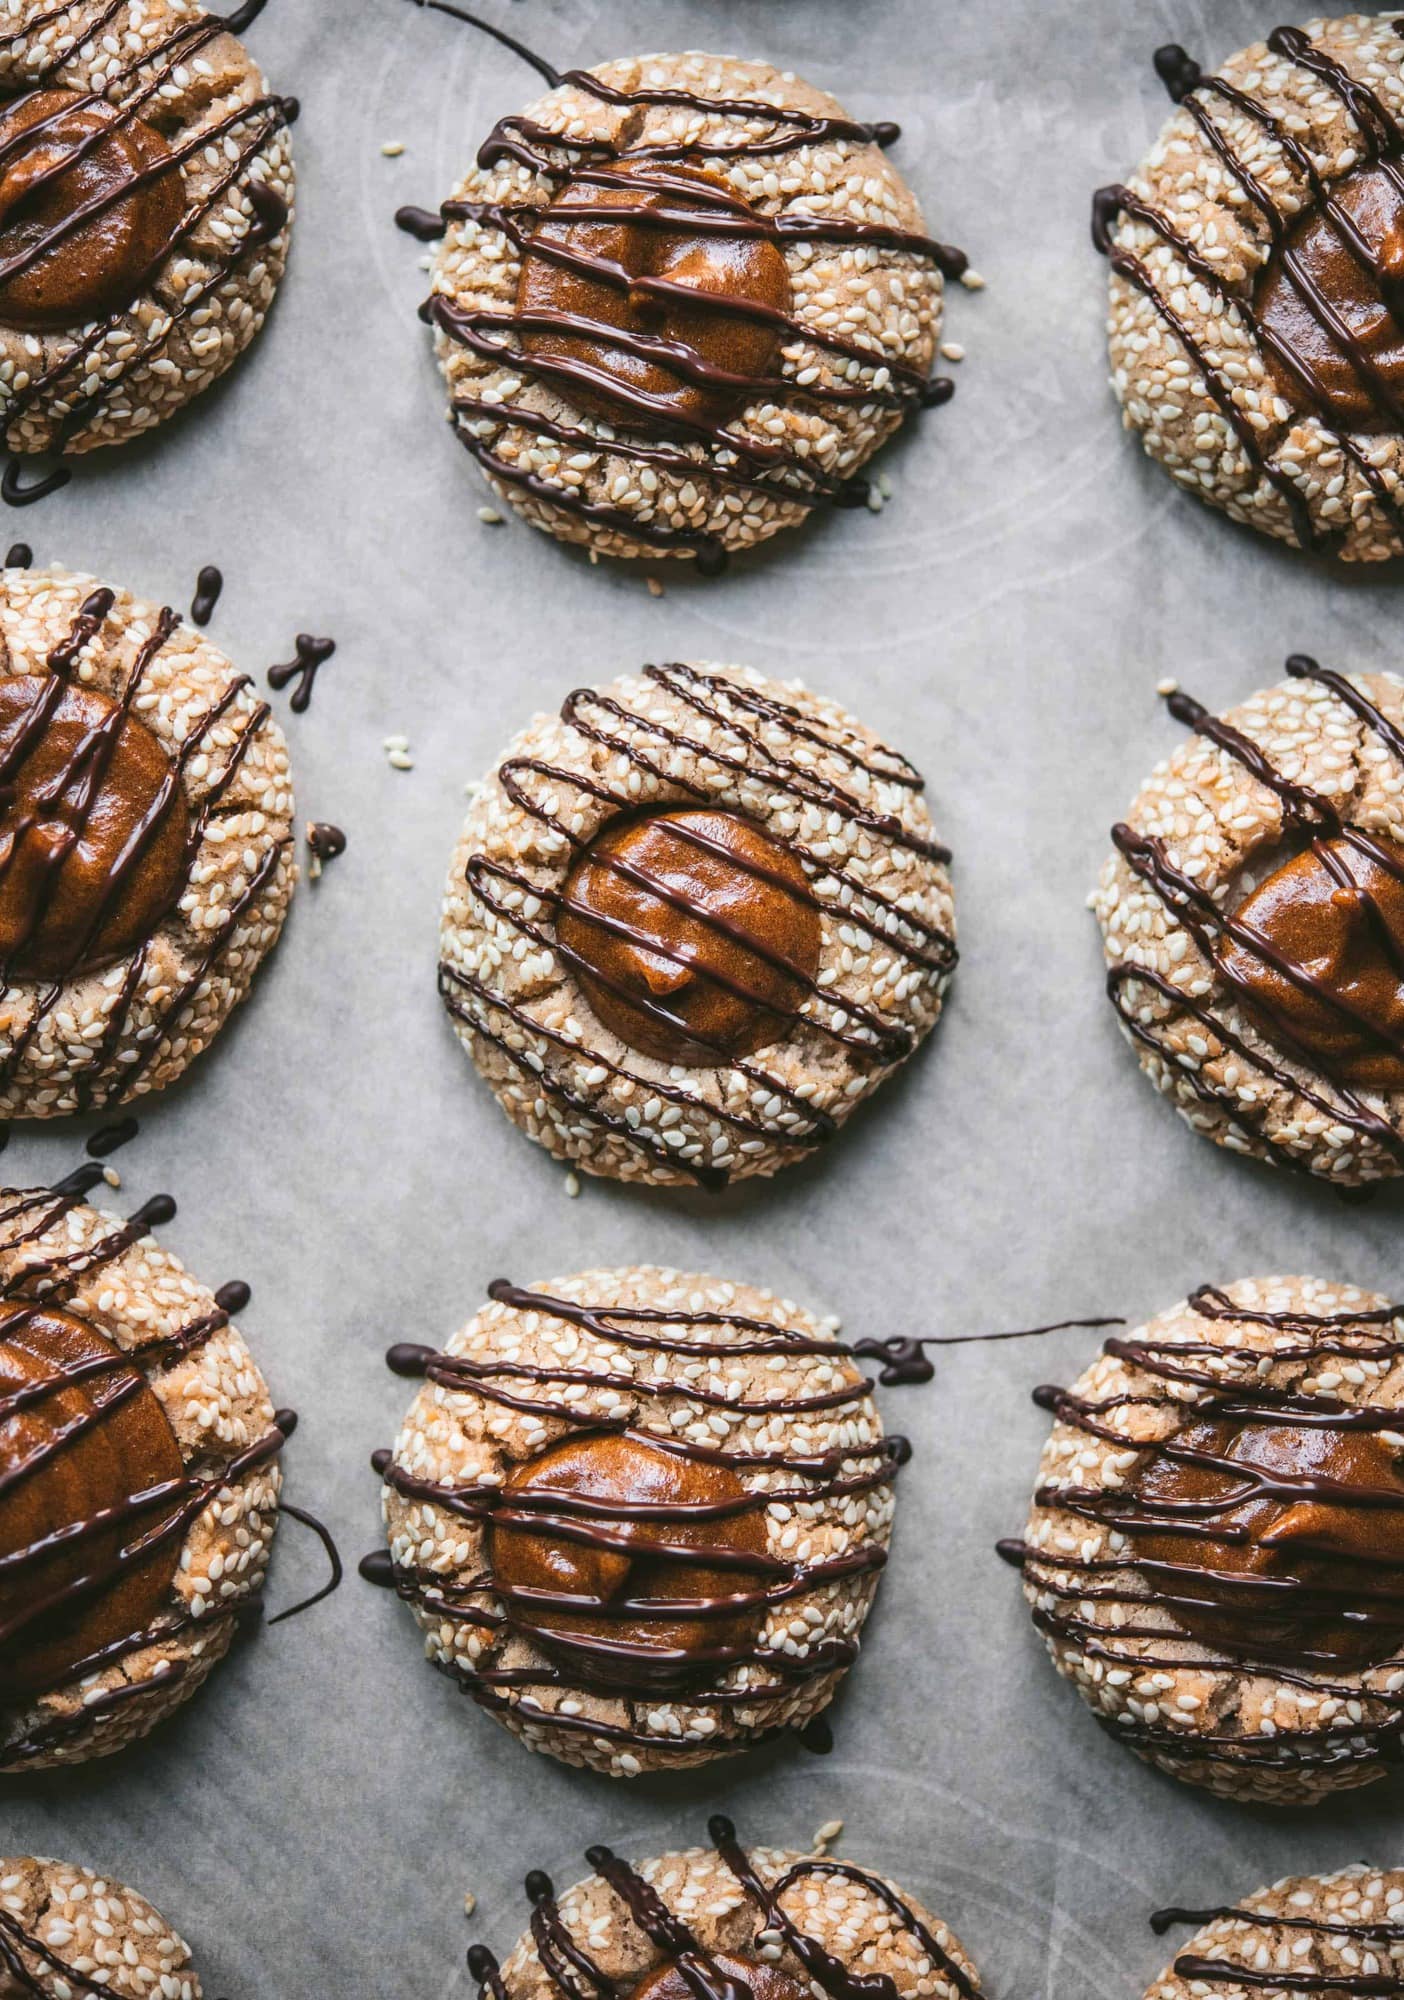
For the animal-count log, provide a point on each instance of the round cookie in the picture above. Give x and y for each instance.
(146, 189)
(1255, 337)
(1323, 1934)
(715, 1922)
(1218, 1517)
(1253, 922)
(639, 1515)
(146, 843)
(67, 1932)
(680, 302)
(128, 1402)
(692, 922)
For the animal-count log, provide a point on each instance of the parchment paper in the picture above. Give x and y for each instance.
(313, 1819)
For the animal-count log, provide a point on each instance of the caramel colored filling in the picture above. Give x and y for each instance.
(1314, 1516)
(657, 1530)
(767, 1982)
(93, 829)
(699, 361)
(694, 935)
(1331, 298)
(1326, 965)
(70, 1586)
(62, 159)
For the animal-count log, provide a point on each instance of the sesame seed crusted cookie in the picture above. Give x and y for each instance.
(138, 1476)
(146, 852)
(66, 1931)
(640, 1515)
(146, 188)
(681, 300)
(1308, 1937)
(712, 1922)
(1253, 922)
(1255, 258)
(1218, 1518)
(692, 922)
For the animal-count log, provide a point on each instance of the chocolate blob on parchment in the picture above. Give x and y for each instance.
(90, 200)
(94, 828)
(647, 1527)
(694, 934)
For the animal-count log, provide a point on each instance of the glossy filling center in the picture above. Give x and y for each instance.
(90, 201)
(80, 1568)
(93, 829)
(1324, 969)
(693, 301)
(630, 1579)
(1330, 300)
(766, 1982)
(1285, 1544)
(695, 936)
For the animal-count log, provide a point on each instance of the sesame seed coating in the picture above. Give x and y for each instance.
(868, 294)
(1160, 1685)
(456, 1438)
(107, 1937)
(112, 379)
(1346, 495)
(813, 778)
(1219, 823)
(840, 1913)
(1303, 1946)
(112, 1034)
(216, 1403)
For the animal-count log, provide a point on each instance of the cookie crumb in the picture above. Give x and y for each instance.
(472, 788)
(112, 1177)
(572, 1185)
(395, 743)
(1167, 686)
(393, 148)
(972, 281)
(884, 486)
(952, 350)
(470, 1903)
(830, 1830)
(400, 760)
(876, 501)
(655, 588)
(489, 517)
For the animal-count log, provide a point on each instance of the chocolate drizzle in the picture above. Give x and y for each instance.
(311, 655)
(1380, 143)
(111, 1070)
(108, 1138)
(21, 556)
(568, 1963)
(649, 188)
(161, 1514)
(1300, 1979)
(1314, 819)
(325, 840)
(241, 136)
(484, 1602)
(1206, 1384)
(741, 746)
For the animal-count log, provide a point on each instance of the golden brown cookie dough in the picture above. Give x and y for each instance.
(1253, 921)
(681, 301)
(692, 922)
(139, 1477)
(1256, 337)
(639, 1515)
(1216, 1535)
(67, 1933)
(790, 1926)
(146, 845)
(1324, 1935)
(146, 189)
